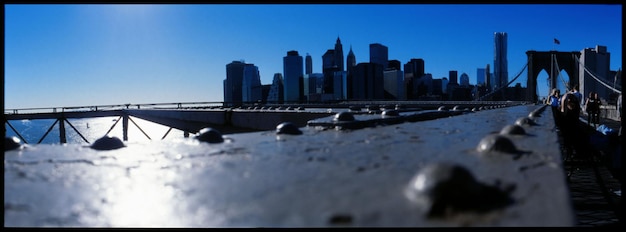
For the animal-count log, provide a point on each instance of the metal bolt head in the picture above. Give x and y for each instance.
(11, 143)
(442, 108)
(355, 108)
(496, 142)
(390, 113)
(107, 143)
(525, 121)
(209, 135)
(442, 183)
(513, 130)
(288, 128)
(343, 117)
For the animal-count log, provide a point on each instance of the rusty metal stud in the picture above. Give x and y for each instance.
(343, 117)
(288, 128)
(496, 142)
(11, 143)
(513, 130)
(107, 143)
(210, 135)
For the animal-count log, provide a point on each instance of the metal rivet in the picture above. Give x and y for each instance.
(355, 108)
(288, 128)
(513, 130)
(442, 184)
(496, 142)
(210, 135)
(107, 143)
(533, 114)
(524, 121)
(343, 116)
(475, 109)
(11, 143)
(456, 108)
(442, 108)
(390, 113)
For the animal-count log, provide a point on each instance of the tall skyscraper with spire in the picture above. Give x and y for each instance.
(350, 60)
(500, 63)
(339, 55)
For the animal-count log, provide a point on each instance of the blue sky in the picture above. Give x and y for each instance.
(81, 55)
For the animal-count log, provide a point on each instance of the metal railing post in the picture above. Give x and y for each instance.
(125, 126)
(62, 136)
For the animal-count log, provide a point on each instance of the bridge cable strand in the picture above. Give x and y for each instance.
(502, 87)
(595, 76)
(559, 76)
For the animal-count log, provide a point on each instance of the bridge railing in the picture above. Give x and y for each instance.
(175, 105)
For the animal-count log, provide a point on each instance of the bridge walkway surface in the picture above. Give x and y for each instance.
(501, 167)
(595, 180)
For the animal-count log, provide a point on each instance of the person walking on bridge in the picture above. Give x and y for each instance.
(578, 95)
(592, 107)
(554, 102)
(570, 113)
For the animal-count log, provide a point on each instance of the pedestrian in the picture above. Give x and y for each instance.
(619, 113)
(570, 114)
(577, 93)
(554, 102)
(592, 107)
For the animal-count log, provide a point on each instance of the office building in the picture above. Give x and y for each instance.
(233, 83)
(251, 84)
(500, 60)
(379, 54)
(276, 93)
(597, 61)
(292, 74)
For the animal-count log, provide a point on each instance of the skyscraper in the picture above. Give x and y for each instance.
(350, 60)
(464, 80)
(453, 75)
(233, 83)
(292, 72)
(276, 93)
(379, 54)
(480, 76)
(597, 61)
(339, 55)
(251, 84)
(500, 61)
(413, 72)
(309, 64)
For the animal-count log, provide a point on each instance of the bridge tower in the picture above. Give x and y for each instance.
(553, 62)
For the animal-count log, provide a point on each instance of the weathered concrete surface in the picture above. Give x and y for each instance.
(322, 178)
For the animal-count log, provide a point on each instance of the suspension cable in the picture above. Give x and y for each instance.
(502, 87)
(559, 76)
(594, 76)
